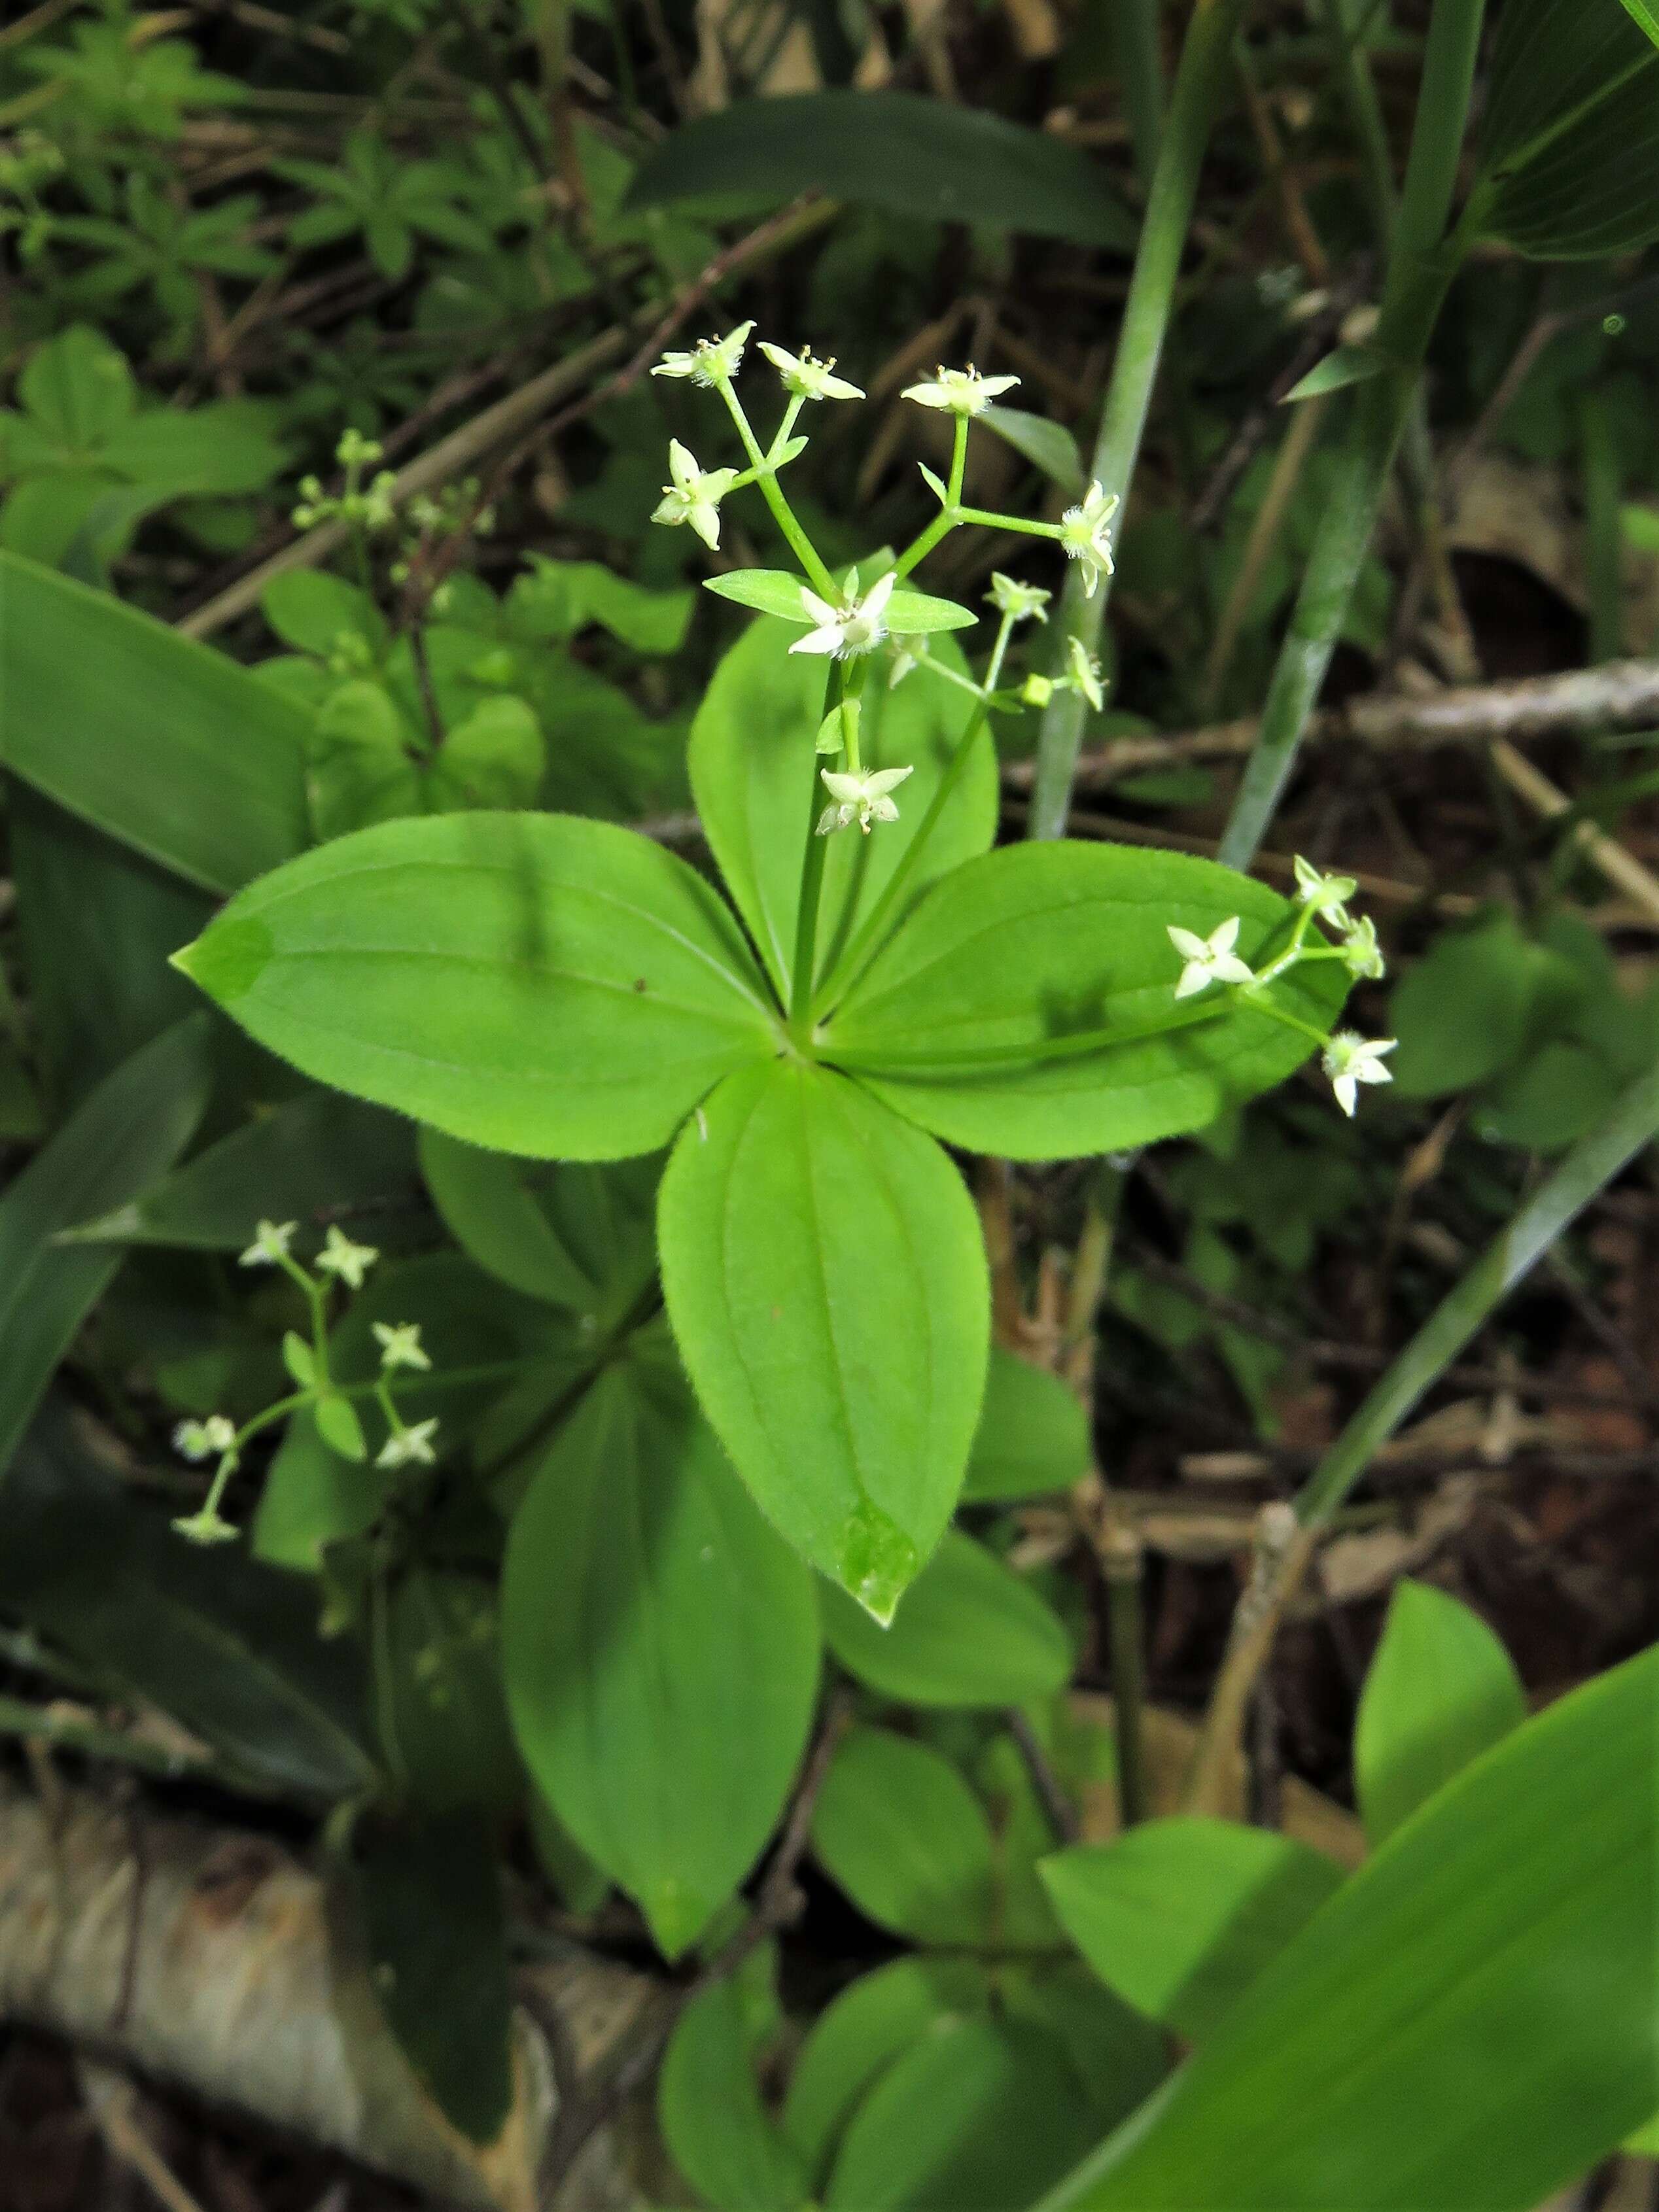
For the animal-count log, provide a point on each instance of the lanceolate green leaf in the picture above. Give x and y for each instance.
(753, 775)
(1441, 1690)
(530, 981)
(660, 1647)
(1179, 1916)
(129, 1132)
(1571, 130)
(892, 150)
(164, 743)
(826, 1280)
(1511, 1921)
(970, 1633)
(1036, 945)
(1647, 15)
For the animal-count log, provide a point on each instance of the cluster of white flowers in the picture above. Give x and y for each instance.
(1348, 1059)
(865, 798)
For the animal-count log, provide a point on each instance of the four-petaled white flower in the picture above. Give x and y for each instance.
(960, 390)
(858, 626)
(400, 1344)
(340, 1256)
(406, 1446)
(1362, 952)
(864, 797)
(1209, 960)
(695, 494)
(711, 362)
(208, 1439)
(1085, 536)
(1025, 602)
(270, 1242)
(1086, 674)
(1327, 895)
(1351, 1059)
(808, 379)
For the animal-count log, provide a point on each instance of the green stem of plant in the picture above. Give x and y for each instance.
(1365, 113)
(1140, 76)
(1124, 1571)
(1599, 462)
(948, 516)
(848, 969)
(1420, 269)
(765, 477)
(1205, 70)
(1587, 1169)
(811, 870)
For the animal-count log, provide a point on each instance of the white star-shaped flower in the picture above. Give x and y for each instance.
(1362, 952)
(695, 494)
(208, 1439)
(1025, 602)
(270, 1242)
(1209, 960)
(1327, 895)
(807, 379)
(960, 390)
(340, 1256)
(406, 1446)
(1351, 1059)
(858, 626)
(1086, 674)
(1085, 536)
(400, 1344)
(711, 362)
(861, 797)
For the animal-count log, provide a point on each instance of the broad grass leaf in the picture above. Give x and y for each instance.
(1033, 1435)
(127, 1134)
(225, 1645)
(1569, 147)
(316, 1154)
(660, 1646)
(891, 150)
(970, 1633)
(1179, 1915)
(156, 740)
(900, 1832)
(1036, 943)
(1441, 1690)
(755, 777)
(825, 1278)
(1511, 1924)
(534, 983)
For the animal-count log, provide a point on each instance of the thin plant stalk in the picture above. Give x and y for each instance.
(1586, 1170)
(1204, 72)
(1420, 270)
(1140, 74)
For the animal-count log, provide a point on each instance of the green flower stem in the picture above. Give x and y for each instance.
(928, 1060)
(1588, 1167)
(765, 475)
(1420, 269)
(848, 969)
(811, 870)
(1024, 524)
(316, 1297)
(1204, 72)
(1342, 23)
(948, 516)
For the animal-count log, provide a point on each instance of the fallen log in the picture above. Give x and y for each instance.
(214, 1960)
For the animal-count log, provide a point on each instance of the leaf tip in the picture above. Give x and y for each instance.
(229, 958)
(877, 1562)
